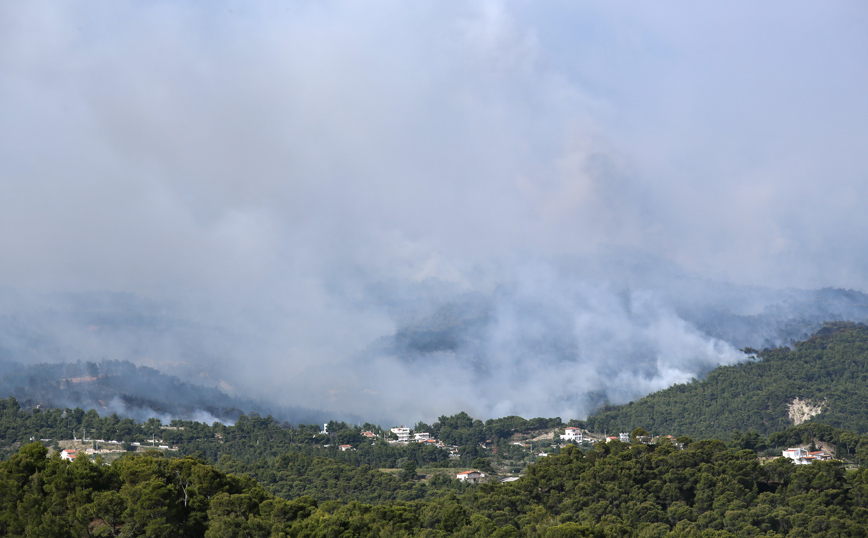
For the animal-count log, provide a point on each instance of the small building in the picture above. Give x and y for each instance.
(369, 435)
(573, 434)
(344, 448)
(68, 455)
(402, 433)
(795, 454)
(421, 437)
(800, 456)
(624, 437)
(472, 476)
(820, 456)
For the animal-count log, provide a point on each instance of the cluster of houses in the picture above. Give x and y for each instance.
(70, 454)
(800, 456)
(575, 435)
(403, 434)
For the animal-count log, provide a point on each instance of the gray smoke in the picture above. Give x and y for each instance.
(406, 210)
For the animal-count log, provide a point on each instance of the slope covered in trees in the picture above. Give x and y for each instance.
(615, 490)
(290, 461)
(829, 371)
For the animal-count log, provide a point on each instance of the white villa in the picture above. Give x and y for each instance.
(572, 434)
(402, 433)
(421, 437)
(800, 456)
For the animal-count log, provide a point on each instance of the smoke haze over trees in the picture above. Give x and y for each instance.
(410, 210)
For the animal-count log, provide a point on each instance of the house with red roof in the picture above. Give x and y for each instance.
(473, 476)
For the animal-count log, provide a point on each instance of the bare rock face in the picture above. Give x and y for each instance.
(801, 410)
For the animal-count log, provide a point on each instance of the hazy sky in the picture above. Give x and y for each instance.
(263, 162)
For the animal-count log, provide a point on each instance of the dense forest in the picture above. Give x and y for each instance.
(829, 370)
(615, 490)
(296, 460)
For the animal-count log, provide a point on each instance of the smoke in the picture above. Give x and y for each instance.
(544, 345)
(284, 199)
(561, 339)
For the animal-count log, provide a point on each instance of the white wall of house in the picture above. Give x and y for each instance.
(470, 476)
(573, 434)
(402, 433)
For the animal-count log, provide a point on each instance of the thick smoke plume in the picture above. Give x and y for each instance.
(411, 209)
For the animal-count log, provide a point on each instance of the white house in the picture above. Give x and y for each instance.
(572, 434)
(68, 455)
(624, 437)
(795, 453)
(421, 437)
(472, 476)
(402, 433)
(800, 456)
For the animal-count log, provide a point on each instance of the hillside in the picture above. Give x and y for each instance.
(822, 379)
(137, 392)
(614, 490)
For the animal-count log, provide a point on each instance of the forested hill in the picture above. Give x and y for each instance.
(615, 490)
(827, 373)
